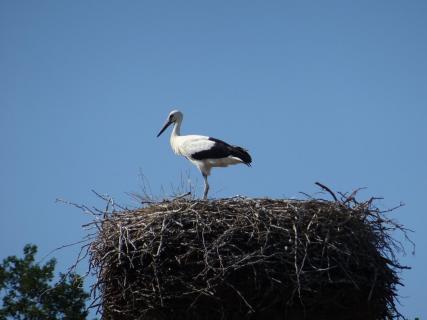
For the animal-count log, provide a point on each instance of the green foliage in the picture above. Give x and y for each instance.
(27, 293)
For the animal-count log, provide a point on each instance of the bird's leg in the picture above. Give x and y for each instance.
(205, 195)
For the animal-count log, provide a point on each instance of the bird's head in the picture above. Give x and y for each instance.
(174, 117)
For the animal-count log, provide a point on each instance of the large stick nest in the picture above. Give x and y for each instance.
(242, 258)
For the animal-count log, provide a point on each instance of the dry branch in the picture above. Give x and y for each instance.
(242, 258)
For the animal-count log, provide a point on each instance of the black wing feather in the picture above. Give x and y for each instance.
(222, 149)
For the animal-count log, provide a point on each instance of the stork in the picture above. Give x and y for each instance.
(203, 151)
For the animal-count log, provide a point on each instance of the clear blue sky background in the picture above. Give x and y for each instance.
(330, 91)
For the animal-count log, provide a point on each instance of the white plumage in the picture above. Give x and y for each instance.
(203, 151)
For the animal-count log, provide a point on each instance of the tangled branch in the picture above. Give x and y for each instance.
(241, 258)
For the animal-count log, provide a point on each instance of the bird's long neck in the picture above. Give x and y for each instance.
(176, 129)
(176, 132)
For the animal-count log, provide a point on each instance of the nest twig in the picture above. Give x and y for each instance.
(242, 258)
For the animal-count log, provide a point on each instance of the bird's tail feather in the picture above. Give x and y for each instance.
(242, 154)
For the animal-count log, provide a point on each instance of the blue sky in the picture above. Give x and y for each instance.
(330, 91)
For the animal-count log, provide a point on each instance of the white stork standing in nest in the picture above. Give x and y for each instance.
(204, 152)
